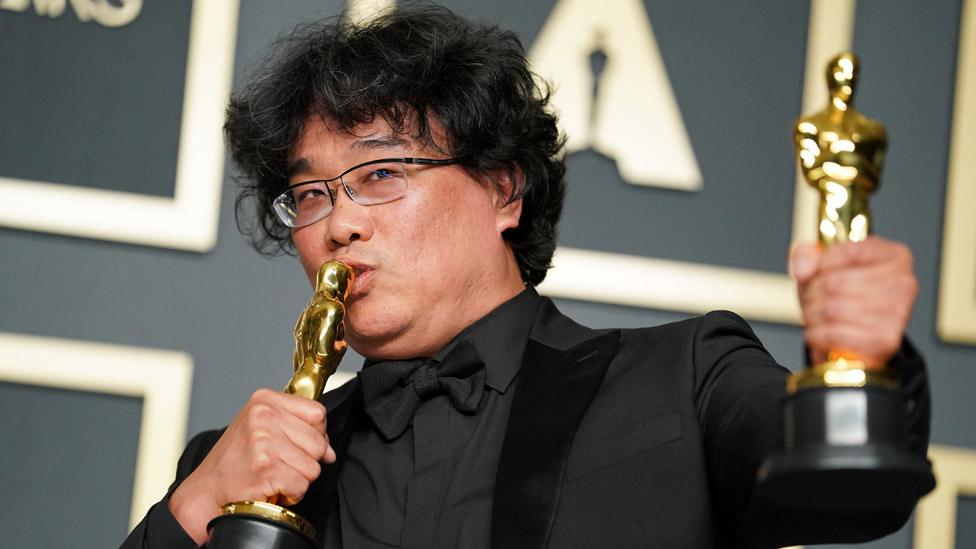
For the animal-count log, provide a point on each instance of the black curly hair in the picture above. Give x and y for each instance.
(407, 66)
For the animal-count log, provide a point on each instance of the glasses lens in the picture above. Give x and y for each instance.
(376, 183)
(304, 204)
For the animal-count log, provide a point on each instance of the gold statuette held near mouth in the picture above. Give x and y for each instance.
(319, 344)
(319, 347)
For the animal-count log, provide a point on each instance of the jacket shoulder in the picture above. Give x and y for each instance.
(722, 326)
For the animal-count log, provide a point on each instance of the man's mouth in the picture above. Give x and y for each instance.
(363, 273)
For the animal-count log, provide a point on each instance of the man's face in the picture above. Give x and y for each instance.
(428, 264)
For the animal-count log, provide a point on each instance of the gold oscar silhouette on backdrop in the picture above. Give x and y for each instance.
(319, 347)
(845, 443)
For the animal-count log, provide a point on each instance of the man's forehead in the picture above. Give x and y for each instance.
(316, 152)
(376, 135)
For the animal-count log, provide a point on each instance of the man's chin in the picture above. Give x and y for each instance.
(369, 335)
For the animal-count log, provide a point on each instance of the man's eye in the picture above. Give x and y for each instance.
(379, 174)
(383, 173)
(305, 195)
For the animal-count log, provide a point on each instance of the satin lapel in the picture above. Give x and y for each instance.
(555, 388)
(343, 408)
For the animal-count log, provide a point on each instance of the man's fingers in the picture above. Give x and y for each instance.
(299, 421)
(832, 329)
(287, 488)
(874, 277)
(864, 314)
(860, 311)
(266, 406)
(309, 411)
(874, 282)
(310, 439)
(871, 251)
(861, 284)
(284, 435)
(271, 450)
(297, 459)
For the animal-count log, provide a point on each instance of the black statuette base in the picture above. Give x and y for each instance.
(845, 450)
(239, 531)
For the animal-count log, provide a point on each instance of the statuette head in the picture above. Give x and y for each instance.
(841, 78)
(334, 279)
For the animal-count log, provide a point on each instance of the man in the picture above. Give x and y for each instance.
(418, 150)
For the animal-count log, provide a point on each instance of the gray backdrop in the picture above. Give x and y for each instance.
(67, 458)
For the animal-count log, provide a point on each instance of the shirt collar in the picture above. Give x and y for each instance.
(501, 336)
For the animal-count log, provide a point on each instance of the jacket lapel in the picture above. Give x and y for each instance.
(554, 390)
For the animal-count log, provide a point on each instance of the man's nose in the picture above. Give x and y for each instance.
(348, 221)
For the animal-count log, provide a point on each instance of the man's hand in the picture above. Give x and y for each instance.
(272, 448)
(856, 297)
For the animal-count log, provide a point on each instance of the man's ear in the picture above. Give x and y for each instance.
(507, 181)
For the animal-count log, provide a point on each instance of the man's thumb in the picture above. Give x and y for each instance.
(804, 258)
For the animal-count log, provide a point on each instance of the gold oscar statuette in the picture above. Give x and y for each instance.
(319, 347)
(841, 152)
(845, 445)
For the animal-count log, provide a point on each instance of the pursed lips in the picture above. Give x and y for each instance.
(363, 273)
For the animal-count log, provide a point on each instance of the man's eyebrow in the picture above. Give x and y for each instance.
(379, 142)
(302, 165)
(297, 166)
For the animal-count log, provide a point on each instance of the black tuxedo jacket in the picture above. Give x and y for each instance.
(631, 438)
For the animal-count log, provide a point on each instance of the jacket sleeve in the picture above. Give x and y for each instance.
(739, 397)
(159, 528)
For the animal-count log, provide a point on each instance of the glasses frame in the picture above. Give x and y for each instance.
(333, 193)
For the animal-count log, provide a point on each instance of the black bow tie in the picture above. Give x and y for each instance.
(393, 390)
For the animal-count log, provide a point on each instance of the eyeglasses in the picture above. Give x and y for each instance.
(367, 184)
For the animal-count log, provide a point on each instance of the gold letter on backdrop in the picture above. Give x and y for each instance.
(632, 93)
(935, 517)
(957, 289)
(103, 12)
(648, 281)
